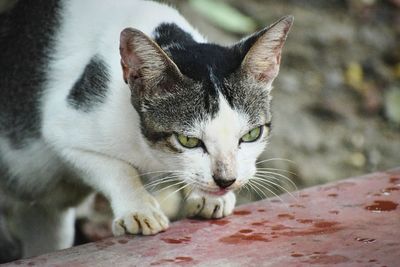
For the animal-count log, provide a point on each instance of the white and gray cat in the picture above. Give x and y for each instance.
(95, 93)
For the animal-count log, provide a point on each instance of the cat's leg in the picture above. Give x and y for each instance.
(9, 247)
(207, 206)
(42, 229)
(135, 210)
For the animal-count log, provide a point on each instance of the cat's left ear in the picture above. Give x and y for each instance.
(142, 59)
(262, 51)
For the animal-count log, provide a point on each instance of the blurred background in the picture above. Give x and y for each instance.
(336, 100)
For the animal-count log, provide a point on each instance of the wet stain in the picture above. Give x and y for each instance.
(286, 216)
(245, 231)
(365, 240)
(240, 238)
(241, 212)
(322, 227)
(261, 210)
(296, 255)
(327, 259)
(332, 195)
(109, 243)
(372, 260)
(339, 186)
(279, 227)
(334, 212)
(382, 205)
(185, 239)
(391, 189)
(297, 206)
(123, 241)
(318, 252)
(394, 180)
(181, 259)
(220, 222)
(325, 224)
(260, 223)
(104, 244)
(305, 221)
(184, 259)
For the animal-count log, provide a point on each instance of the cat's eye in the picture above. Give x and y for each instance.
(252, 135)
(188, 142)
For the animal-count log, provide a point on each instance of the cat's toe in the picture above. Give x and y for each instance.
(146, 223)
(210, 207)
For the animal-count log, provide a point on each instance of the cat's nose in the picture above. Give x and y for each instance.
(223, 183)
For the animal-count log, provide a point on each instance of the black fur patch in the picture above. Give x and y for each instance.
(200, 62)
(91, 88)
(26, 33)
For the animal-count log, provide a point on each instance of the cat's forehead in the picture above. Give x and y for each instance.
(213, 73)
(195, 59)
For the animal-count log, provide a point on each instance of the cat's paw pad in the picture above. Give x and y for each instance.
(210, 206)
(146, 222)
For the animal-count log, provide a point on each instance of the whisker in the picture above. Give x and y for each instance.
(276, 169)
(169, 186)
(280, 175)
(255, 189)
(272, 192)
(162, 180)
(179, 189)
(153, 186)
(275, 159)
(275, 184)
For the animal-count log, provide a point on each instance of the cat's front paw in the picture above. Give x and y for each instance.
(147, 220)
(210, 206)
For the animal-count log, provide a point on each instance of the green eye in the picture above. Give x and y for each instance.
(252, 135)
(188, 142)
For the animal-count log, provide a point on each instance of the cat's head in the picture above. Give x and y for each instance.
(204, 108)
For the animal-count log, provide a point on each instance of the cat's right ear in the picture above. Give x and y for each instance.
(142, 58)
(262, 51)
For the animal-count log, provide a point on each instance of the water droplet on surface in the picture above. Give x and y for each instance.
(297, 255)
(241, 212)
(285, 215)
(220, 222)
(382, 205)
(245, 231)
(365, 240)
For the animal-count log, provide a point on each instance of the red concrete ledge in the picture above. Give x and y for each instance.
(353, 222)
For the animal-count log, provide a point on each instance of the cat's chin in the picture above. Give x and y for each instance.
(217, 193)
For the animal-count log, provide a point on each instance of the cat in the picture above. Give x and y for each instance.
(94, 94)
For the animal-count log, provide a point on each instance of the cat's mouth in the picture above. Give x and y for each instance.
(219, 192)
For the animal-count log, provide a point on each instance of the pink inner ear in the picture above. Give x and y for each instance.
(130, 62)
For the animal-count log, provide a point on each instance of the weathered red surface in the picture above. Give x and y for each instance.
(354, 222)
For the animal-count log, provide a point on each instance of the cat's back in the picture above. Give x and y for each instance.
(25, 43)
(55, 40)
